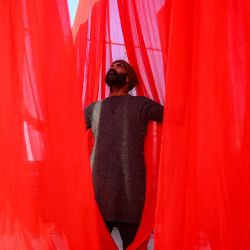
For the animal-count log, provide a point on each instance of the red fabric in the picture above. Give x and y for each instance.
(199, 52)
(203, 196)
(143, 45)
(112, 30)
(46, 196)
(203, 193)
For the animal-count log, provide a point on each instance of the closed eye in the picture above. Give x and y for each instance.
(119, 65)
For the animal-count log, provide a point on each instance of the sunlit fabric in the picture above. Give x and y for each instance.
(45, 184)
(192, 56)
(197, 52)
(203, 196)
(105, 31)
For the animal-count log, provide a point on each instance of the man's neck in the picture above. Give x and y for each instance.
(118, 92)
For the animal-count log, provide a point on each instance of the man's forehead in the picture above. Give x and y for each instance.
(118, 64)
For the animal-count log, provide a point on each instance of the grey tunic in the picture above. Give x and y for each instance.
(118, 168)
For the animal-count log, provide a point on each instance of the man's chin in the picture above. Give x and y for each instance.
(111, 80)
(114, 83)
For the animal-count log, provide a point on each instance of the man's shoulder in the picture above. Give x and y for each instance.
(92, 105)
(90, 112)
(137, 97)
(143, 99)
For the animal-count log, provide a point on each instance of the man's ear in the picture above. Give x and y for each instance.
(127, 80)
(127, 83)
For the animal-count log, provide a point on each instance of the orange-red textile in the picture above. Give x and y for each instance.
(46, 196)
(200, 48)
(203, 196)
(108, 30)
(139, 20)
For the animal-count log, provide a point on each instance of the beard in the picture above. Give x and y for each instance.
(113, 79)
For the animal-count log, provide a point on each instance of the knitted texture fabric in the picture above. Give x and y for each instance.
(118, 168)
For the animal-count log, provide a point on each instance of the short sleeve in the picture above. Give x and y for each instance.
(153, 110)
(88, 115)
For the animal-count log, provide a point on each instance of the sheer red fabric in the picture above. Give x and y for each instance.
(197, 51)
(108, 30)
(203, 196)
(141, 31)
(203, 193)
(45, 184)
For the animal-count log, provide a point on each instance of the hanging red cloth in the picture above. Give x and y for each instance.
(203, 196)
(141, 32)
(46, 195)
(105, 31)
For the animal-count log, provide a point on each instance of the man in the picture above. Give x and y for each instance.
(117, 160)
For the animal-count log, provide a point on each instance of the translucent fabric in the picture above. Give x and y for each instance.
(46, 196)
(203, 196)
(191, 56)
(108, 30)
(198, 52)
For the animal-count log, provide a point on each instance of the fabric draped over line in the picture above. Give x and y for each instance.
(198, 52)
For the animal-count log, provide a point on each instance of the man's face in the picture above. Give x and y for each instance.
(116, 75)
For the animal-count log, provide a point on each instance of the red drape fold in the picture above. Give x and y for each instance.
(142, 40)
(197, 51)
(146, 57)
(46, 194)
(202, 196)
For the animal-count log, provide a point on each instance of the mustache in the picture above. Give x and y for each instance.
(112, 71)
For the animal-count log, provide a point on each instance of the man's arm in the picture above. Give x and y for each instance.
(153, 111)
(88, 115)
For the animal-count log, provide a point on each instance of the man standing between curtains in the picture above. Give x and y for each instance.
(119, 125)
